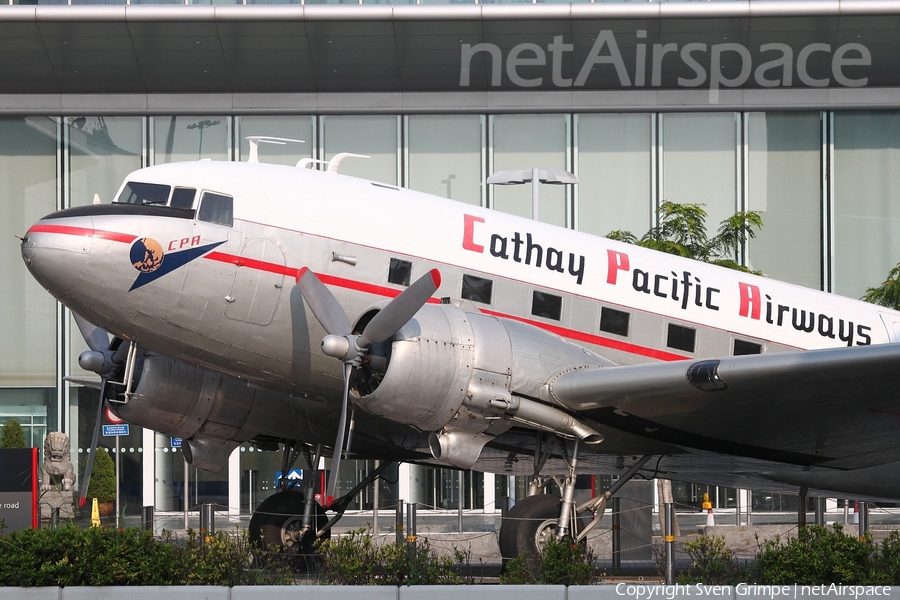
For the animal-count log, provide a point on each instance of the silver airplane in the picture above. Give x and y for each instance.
(266, 304)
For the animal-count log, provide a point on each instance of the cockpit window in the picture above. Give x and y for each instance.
(216, 208)
(144, 193)
(183, 198)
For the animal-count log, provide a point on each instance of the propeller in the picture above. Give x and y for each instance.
(103, 360)
(351, 349)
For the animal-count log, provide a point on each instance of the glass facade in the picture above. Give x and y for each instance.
(834, 232)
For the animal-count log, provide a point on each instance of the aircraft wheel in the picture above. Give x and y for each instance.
(277, 521)
(525, 523)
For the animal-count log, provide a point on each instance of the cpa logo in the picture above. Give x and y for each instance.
(146, 255)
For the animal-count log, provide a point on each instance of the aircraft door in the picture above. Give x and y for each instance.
(892, 322)
(258, 282)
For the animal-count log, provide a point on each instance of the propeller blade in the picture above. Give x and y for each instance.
(86, 480)
(341, 432)
(97, 339)
(322, 303)
(400, 310)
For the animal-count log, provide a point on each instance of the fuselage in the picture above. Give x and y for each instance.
(214, 287)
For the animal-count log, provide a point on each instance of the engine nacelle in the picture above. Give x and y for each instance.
(468, 377)
(212, 413)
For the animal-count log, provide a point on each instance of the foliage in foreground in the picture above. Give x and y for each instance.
(560, 563)
(817, 556)
(70, 556)
(355, 559)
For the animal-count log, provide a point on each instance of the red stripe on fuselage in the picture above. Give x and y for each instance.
(125, 238)
(369, 288)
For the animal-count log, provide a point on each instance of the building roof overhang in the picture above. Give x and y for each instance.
(163, 49)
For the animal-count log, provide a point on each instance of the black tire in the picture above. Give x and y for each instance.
(518, 528)
(279, 515)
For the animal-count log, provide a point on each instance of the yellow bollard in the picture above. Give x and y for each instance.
(95, 514)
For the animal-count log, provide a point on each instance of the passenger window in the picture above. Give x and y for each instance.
(681, 338)
(477, 289)
(743, 347)
(399, 271)
(546, 305)
(216, 208)
(614, 321)
(183, 198)
(144, 193)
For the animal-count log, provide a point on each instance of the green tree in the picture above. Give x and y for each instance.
(12, 435)
(682, 231)
(888, 293)
(103, 477)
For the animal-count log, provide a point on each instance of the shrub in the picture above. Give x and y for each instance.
(712, 563)
(102, 485)
(818, 555)
(69, 556)
(355, 559)
(12, 435)
(559, 563)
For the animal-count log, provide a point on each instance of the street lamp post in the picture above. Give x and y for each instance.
(535, 176)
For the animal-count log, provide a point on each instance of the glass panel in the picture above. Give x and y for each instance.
(445, 156)
(866, 188)
(135, 192)
(102, 152)
(546, 305)
(259, 469)
(294, 128)
(84, 412)
(614, 158)
(699, 162)
(785, 185)
(27, 193)
(399, 271)
(525, 142)
(189, 138)
(216, 208)
(477, 289)
(183, 197)
(374, 136)
(34, 409)
(614, 321)
(681, 338)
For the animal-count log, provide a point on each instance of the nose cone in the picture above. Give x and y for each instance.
(56, 252)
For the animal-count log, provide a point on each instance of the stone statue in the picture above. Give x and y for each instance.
(58, 477)
(57, 468)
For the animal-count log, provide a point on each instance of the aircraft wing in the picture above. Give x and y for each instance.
(835, 408)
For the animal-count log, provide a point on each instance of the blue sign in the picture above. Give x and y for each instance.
(293, 476)
(176, 442)
(115, 430)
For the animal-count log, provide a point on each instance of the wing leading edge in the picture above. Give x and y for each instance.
(836, 408)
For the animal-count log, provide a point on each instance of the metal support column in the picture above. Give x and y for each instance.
(398, 521)
(147, 518)
(411, 521)
(863, 520)
(207, 522)
(670, 543)
(820, 512)
(616, 534)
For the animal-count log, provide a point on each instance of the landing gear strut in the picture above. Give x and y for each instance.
(291, 518)
(539, 517)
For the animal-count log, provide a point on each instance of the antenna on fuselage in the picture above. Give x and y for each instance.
(256, 140)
